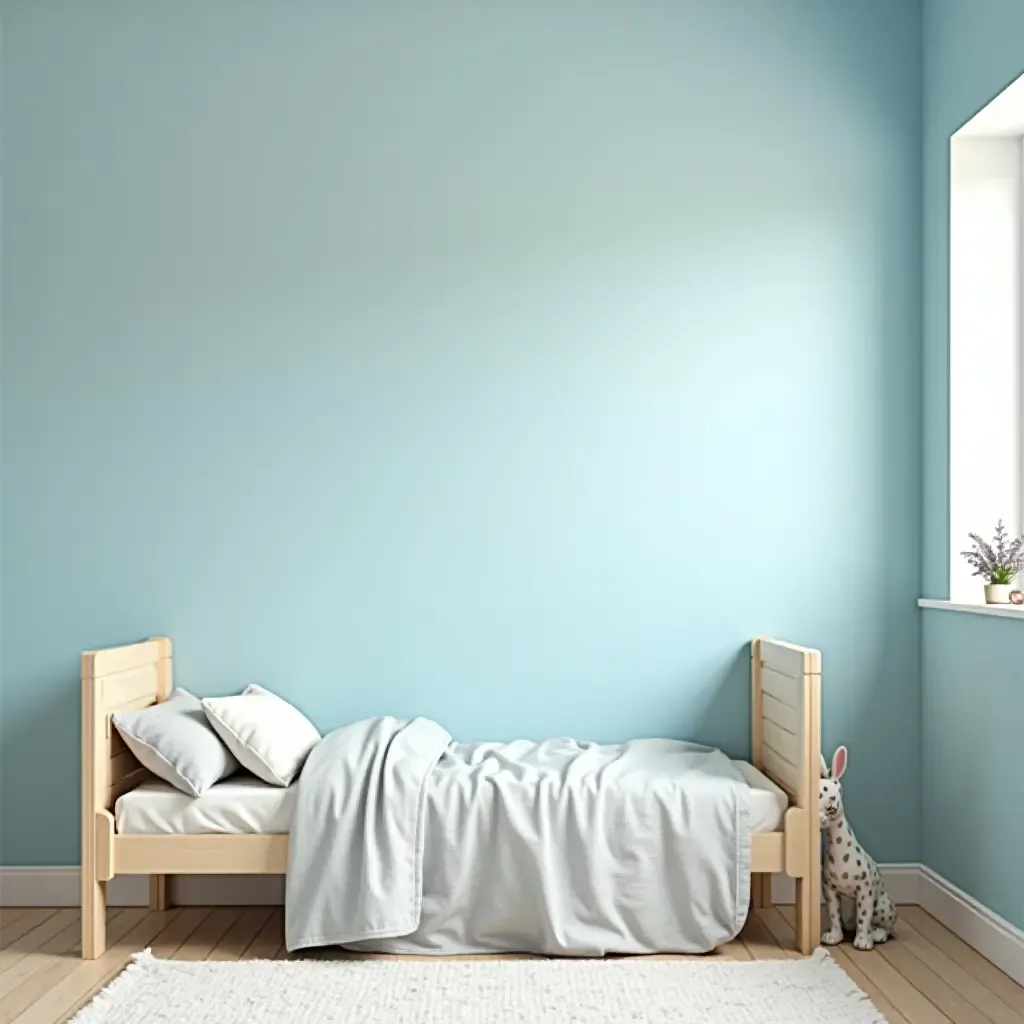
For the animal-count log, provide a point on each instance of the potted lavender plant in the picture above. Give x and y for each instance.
(998, 562)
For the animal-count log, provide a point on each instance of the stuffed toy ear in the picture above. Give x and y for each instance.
(824, 766)
(839, 763)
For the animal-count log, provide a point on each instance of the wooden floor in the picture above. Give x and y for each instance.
(924, 976)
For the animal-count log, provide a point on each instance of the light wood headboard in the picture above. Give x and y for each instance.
(786, 726)
(117, 679)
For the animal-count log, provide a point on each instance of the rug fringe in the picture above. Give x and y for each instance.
(822, 955)
(144, 966)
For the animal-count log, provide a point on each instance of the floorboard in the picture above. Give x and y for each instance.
(944, 998)
(974, 991)
(267, 940)
(780, 921)
(179, 931)
(32, 940)
(14, 930)
(204, 940)
(969, 959)
(56, 993)
(925, 975)
(240, 934)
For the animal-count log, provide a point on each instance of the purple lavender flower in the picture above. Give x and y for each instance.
(997, 562)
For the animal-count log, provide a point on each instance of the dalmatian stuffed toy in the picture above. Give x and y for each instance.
(848, 870)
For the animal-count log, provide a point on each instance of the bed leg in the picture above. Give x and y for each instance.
(760, 891)
(94, 918)
(808, 916)
(158, 892)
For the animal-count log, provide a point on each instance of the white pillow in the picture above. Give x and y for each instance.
(173, 739)
(267, 735)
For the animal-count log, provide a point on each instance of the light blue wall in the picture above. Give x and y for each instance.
(510, 364)
(973, 697)
(972, 710)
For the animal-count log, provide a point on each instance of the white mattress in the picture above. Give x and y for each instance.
(247, 806)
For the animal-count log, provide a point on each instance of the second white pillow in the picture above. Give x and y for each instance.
(269, 737)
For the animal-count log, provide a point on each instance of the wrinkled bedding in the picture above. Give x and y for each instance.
(403, 841)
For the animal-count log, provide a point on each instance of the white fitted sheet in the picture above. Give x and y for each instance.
(245, 805)
(766, 803)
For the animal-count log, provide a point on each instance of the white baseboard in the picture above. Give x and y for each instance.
(901, 881)
(993, 937)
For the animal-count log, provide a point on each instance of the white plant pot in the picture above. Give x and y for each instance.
(998, 593)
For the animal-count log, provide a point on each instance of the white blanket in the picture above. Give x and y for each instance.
(405, 842)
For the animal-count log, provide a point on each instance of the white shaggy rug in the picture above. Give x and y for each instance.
(482, 992)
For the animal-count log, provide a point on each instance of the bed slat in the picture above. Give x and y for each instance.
(785, 717)
(132, 705)
(120, 766)
(780, 658)
(783, 742)
(117, 743)
(788, 659)
(120, 659)
(785, 774)
(125, 785)
(129, 687)
(785, 689)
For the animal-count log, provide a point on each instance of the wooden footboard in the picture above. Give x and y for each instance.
(786, 746)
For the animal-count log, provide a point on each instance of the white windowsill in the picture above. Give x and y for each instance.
(1002, 611)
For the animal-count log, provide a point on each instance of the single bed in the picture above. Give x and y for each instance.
(135, 824)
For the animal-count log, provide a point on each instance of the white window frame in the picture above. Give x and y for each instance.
(986, 339)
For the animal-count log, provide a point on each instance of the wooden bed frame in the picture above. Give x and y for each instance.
(786, 682)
